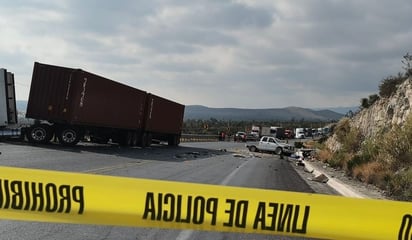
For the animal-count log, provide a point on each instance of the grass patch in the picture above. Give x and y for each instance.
(400, 185)
(384, 161)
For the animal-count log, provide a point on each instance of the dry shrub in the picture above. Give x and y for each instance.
(310, 144)
(324, 155)
(373, 173)
(340, 160)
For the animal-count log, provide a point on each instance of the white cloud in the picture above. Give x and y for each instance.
(244, 53)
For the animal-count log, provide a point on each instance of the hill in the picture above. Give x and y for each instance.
(277, 114)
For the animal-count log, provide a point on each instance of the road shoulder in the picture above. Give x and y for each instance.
(311, 171)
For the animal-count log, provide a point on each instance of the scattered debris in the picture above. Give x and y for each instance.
(308, 169)
(300, 163)
(191, 155)
(322, 178)
(239, 155)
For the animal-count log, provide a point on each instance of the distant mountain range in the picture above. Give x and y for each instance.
(240, 114)
(276, 114)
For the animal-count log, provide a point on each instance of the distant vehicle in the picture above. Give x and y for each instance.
(255, 130)
(264, 131)
(278, 132)
(240, 137)
(252, 137)
(289, 134)
(300, 133)
(271, 144)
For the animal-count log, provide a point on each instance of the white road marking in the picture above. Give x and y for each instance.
(187, 234)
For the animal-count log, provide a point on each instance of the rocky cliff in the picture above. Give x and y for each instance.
(386, 112)
(376, 144)
(382, 115)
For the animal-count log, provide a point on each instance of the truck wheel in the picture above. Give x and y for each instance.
(129, 138)
(148, 140)
(69, 136)
(173, 140)
(134, 139)
(252, 149)
(40, 133)
(278, 151)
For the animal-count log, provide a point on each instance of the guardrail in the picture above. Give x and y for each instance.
(199, 138)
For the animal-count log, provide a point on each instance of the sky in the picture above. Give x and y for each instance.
(216, 53)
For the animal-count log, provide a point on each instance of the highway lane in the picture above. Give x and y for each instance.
(221, 163)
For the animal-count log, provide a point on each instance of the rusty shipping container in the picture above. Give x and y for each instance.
(85, 103)
(74, 96)
(160, 109)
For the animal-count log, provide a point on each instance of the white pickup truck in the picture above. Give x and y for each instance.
(271, 144)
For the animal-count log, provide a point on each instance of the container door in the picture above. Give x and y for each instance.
(11, 99)
(3, 98)
(50, 93)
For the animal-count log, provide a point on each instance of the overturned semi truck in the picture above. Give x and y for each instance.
(70, 104)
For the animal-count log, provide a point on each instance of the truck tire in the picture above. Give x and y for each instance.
(149, 139)
(69, 135)
(134, 139)
(252, 149)
(278, 151)
(131, 138)
(142, 140)
(39, 133)
(173, 140)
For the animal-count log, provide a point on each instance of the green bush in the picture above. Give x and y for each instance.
(397, 144)
(339, 159)
(389, 85)
(400, 185)
(373, 98)
(352, 140)
(365, 103)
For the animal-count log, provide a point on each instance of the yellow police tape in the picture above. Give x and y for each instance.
(51, 196)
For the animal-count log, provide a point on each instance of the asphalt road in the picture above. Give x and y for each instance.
(220, 163)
